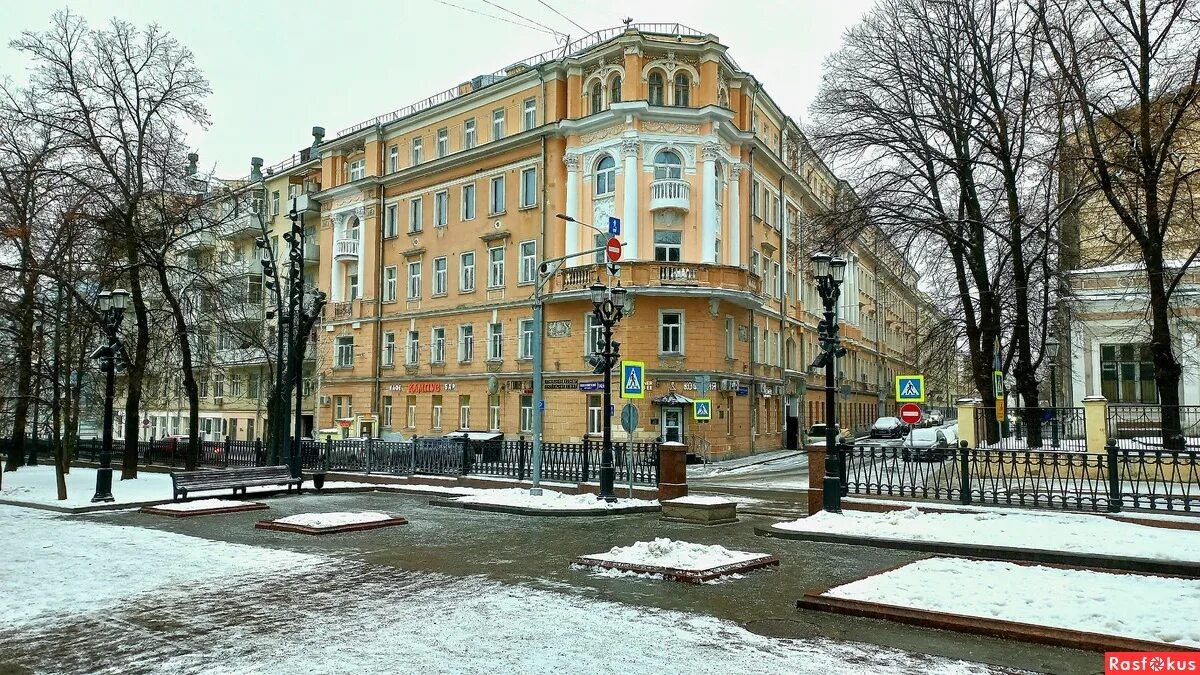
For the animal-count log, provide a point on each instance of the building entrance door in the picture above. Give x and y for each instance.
(672, 425)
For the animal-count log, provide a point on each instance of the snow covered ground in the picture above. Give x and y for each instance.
(1152, 608)
(201, 505)
(333, 518)
(1052, 531)
(130, 599)
(549, 500)
(682, 555)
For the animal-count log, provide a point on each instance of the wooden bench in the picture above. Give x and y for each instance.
(183, 482)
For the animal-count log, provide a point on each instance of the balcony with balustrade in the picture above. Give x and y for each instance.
(670, 194)
(345, 249)
(662, 278)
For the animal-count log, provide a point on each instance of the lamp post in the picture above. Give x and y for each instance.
(609, 306)
(1052, 354)
(112, 310)
(829, 272)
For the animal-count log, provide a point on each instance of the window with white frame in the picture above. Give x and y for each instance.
(469, 134)
(414, 280)
(668, 245)
(439, 275)
(358, 170)
(729, 337)
(437, 345)
(495, 341)
(755, 259)
(655, 88)
(755, 208)
(393, 159)
(597, 97)
(606, 175)
(497, 124)
(496, 197)
(410, 409)
(670, 331)
(593, 334)
(441, 208)
(496, 267)
(416, 150)
(599, 242)
(528, 271)
(387, 412)
(343, 407)
(667, 164)
(595, 416)
(389, 284)
(683, 87)
(466, 342)
(526, 414)
(525, 331)
(415, 214)
(529, 119)
(275, 203)
(466, 272)
(494, 412)
(464, 411)
(468, 201)
(391, 226)
(219, 385)
(777, 278)
(435, 419)
(389, 348)
(443, 142)
(412, 355)
(528, 187)
(345, 351)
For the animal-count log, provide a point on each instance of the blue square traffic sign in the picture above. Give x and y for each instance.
(614, 226)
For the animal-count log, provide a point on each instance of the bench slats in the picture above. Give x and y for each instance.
(196, 481)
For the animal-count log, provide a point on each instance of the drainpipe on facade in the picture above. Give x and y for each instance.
(539, 322)
(376, 386)
(750, 230)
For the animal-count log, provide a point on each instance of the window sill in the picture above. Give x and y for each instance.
(462, 362)
(465, 292)
(349, 367)
(411, 298)
(493, 214)
(388, 302)
(525, 283)
(438, 363)
(438, 295)
(670, 354)
(389, 366)
(527, 207)
(524, 358)
(416, 231)
(495, 288)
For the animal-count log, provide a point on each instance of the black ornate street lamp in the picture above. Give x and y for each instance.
(608, 308)
(829, 272)
(112, 311)
(1052, 355)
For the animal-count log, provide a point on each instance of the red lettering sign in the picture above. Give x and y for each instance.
(424, 387)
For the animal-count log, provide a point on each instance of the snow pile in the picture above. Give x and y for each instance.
(1126, 605)
(549, 500)
(680, 555)
(202, 505)
(700, 500)
(1073, 533)
(613, 573)
(333, 519)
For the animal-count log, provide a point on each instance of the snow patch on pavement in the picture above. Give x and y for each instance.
(681, 555)
(202, 505)
(702, 500)
(1051, 531)
(1127, 605)
(333, 519)
(549, 500)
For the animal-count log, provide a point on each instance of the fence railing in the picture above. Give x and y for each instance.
(1142, 426)
(1033, 428)
(1063, 479)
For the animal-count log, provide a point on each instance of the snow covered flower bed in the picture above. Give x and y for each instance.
(202, 505)
(1073, 533)
(550, 500)
(333, 519)
(1126, 605)
(676, 560)
(702, 500)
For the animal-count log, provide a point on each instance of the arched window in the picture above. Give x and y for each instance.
(606, 170)
(667, 165)
(614, 90)
(352, 228)
(597, 98)
(720, 171)
(655, 93)
(723, 98)
(683, 88)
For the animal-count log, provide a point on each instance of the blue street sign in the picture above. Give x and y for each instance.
(614, 226)
(612, 409)
(542, 405)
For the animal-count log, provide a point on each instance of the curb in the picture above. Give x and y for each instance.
(556, 513)
(676, 574)
(1009, 630)
(171, 513)
(337, 529)
(1006, 553)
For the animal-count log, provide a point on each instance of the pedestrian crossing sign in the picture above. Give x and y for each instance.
(633, 379)
(910, 388)
(702, 409)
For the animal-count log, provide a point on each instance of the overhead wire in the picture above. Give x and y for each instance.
(572, 21)
(498, 18)
(524, 18)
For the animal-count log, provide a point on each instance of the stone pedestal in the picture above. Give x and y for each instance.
(672, 471)
(1095, 423)
(700, 510)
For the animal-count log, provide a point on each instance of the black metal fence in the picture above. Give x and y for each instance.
(1119, 478)
(1032, 428)
(565, 462)
(1141, 426)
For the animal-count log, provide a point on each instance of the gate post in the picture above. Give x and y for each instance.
(1095, 423)
(966, 421)
(1114, 477)
(583, 466)
(964, 472)
(520, 458)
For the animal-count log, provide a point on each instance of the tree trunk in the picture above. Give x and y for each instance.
(56, 395)
(192, 460)
(137, 366)
(1167, 370)
(16, 450)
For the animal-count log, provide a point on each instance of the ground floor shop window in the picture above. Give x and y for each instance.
(595, 420)
(494, 412)
(1127, 374)
(436, 419)
(526, 414)
(464, 411)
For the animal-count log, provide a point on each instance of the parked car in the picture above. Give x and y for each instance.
(816, 433)
(928, 444)
(889, 427)
(935, 417)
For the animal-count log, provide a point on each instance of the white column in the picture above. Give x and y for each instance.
(359, 267)
(629, 214)
(735, 215)
(335, 267)
(572, 239)
(708, 209)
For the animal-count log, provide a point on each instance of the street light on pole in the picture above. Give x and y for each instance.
(829, 272)
(1052, 354)
(609, 306)
(112, 310)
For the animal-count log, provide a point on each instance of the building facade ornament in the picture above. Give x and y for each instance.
(735, 170)
(571, 159)
(630, 146)
(712, 151)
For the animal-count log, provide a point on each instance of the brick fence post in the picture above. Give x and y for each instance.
(1095, 423)
(672, 478)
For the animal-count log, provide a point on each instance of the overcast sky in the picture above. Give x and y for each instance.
(279, 67)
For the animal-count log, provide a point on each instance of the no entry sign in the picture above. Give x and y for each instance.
(910, 413)
(613, 250)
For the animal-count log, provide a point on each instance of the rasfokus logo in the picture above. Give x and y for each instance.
(1151, 662)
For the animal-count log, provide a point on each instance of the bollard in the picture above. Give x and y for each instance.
(1114, 477)
(964, 472)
